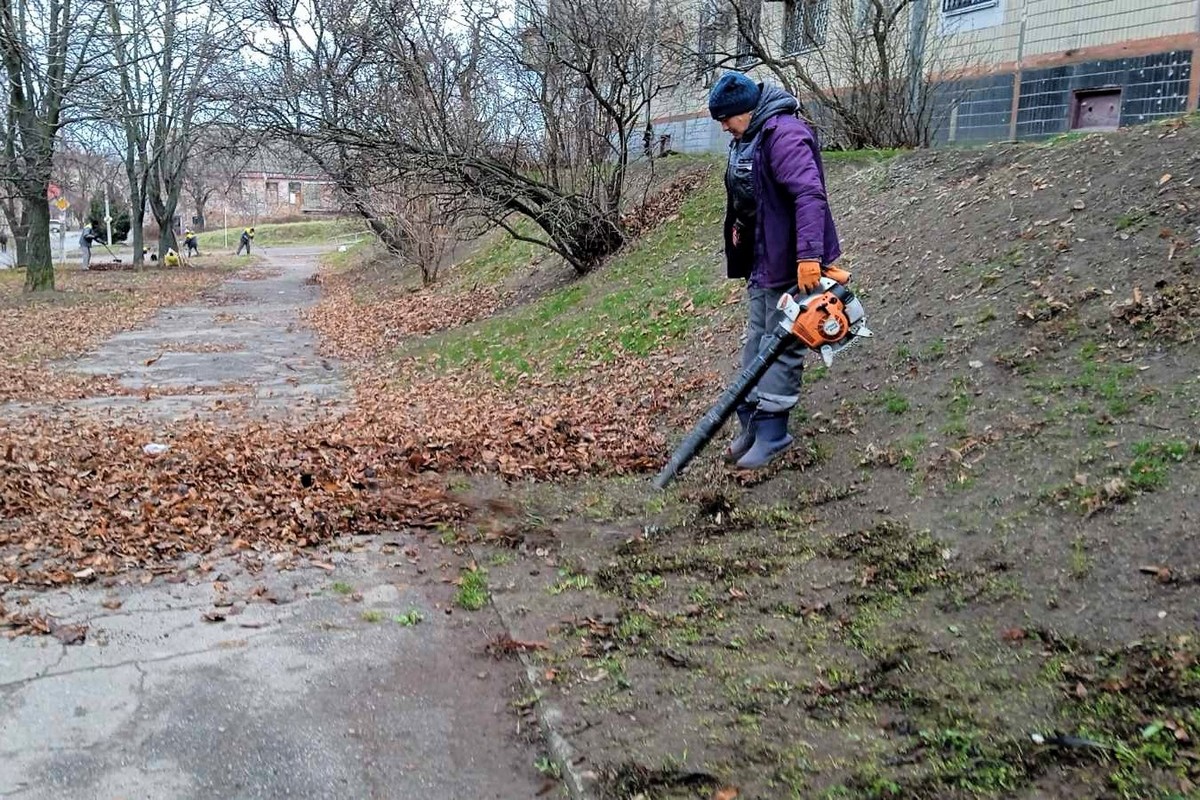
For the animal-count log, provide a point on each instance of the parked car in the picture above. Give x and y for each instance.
(55, 225)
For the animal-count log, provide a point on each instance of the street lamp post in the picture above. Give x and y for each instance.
(107, 216)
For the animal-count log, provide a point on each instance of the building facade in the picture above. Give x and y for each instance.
(1007, 69)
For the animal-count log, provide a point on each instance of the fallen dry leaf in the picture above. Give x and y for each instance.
(69, 634)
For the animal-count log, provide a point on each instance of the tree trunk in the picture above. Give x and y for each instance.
(164, 216)
(137, 235)
(39, 260)
(163, 209)
(14, 215)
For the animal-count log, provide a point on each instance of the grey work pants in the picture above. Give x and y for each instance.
(779, 388)
(85, 255)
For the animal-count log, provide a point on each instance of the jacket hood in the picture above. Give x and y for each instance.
(771, 102)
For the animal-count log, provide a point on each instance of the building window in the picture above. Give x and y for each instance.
(711, 25)
(747, 17)
(864, 16)
(963, 6)
(804, 25)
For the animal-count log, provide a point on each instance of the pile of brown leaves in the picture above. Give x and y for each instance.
(360, 330)
(83, 499)
(605, 420)
(33, 623)
(1166, 313)
(663, 206)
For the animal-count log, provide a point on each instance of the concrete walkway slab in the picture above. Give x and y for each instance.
(242, 344)
(303, 690)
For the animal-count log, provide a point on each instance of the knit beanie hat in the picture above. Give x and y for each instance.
(733, 93)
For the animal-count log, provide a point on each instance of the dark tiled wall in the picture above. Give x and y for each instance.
(1153, 87)
(984, 110)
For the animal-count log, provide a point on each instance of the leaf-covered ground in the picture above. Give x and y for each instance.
(974, 576)
(87, 308)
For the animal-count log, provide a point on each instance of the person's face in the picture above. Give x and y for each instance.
(736, 125)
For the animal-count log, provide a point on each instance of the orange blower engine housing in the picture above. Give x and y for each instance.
(822, 320)
(828, 320)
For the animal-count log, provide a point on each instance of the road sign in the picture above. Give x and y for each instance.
(61, 204)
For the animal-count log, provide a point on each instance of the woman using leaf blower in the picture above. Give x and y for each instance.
(779, 235)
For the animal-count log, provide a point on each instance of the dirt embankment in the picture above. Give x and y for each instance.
(978, 574)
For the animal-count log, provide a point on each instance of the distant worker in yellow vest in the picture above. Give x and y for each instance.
(247, 237)
(171, 259)
(190, 245)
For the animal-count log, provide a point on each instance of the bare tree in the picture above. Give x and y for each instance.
(871, 73)
(84, 165)
(430, 229)
(317, 78)
(579, 77)
(535, 116)
(49, 55)
(219, 155)
(163, 56)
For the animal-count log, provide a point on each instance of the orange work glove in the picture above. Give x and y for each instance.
(808, 276)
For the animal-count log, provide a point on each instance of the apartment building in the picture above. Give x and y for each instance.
(1005, 69)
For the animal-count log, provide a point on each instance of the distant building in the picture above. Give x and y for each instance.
(275, 181)
(1030, 68)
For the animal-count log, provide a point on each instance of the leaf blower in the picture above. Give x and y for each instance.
(827, 321)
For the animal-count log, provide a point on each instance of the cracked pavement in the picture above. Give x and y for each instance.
(294, 693)
(241, 349)
(304, 683)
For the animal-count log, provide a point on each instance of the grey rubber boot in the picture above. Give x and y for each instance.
(745, 440)
(770, 439)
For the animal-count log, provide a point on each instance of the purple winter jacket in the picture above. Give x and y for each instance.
(793, 222)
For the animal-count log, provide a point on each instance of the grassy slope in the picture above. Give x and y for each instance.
(309, 232)
(646, 297)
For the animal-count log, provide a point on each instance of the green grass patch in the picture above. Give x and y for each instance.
(409, 619)
(307, 232)
(634, 626)
(1152, 462)
(894, 402)
(1148, 471)
(472, 593)
(1133, 220)
(501, 257)
(866, 155)
(568, 582)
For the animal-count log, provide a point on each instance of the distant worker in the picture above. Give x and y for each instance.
(247, 237)
(190, 244)
(86, 237)
(3, 241)
(171, 259)
(149, 255)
